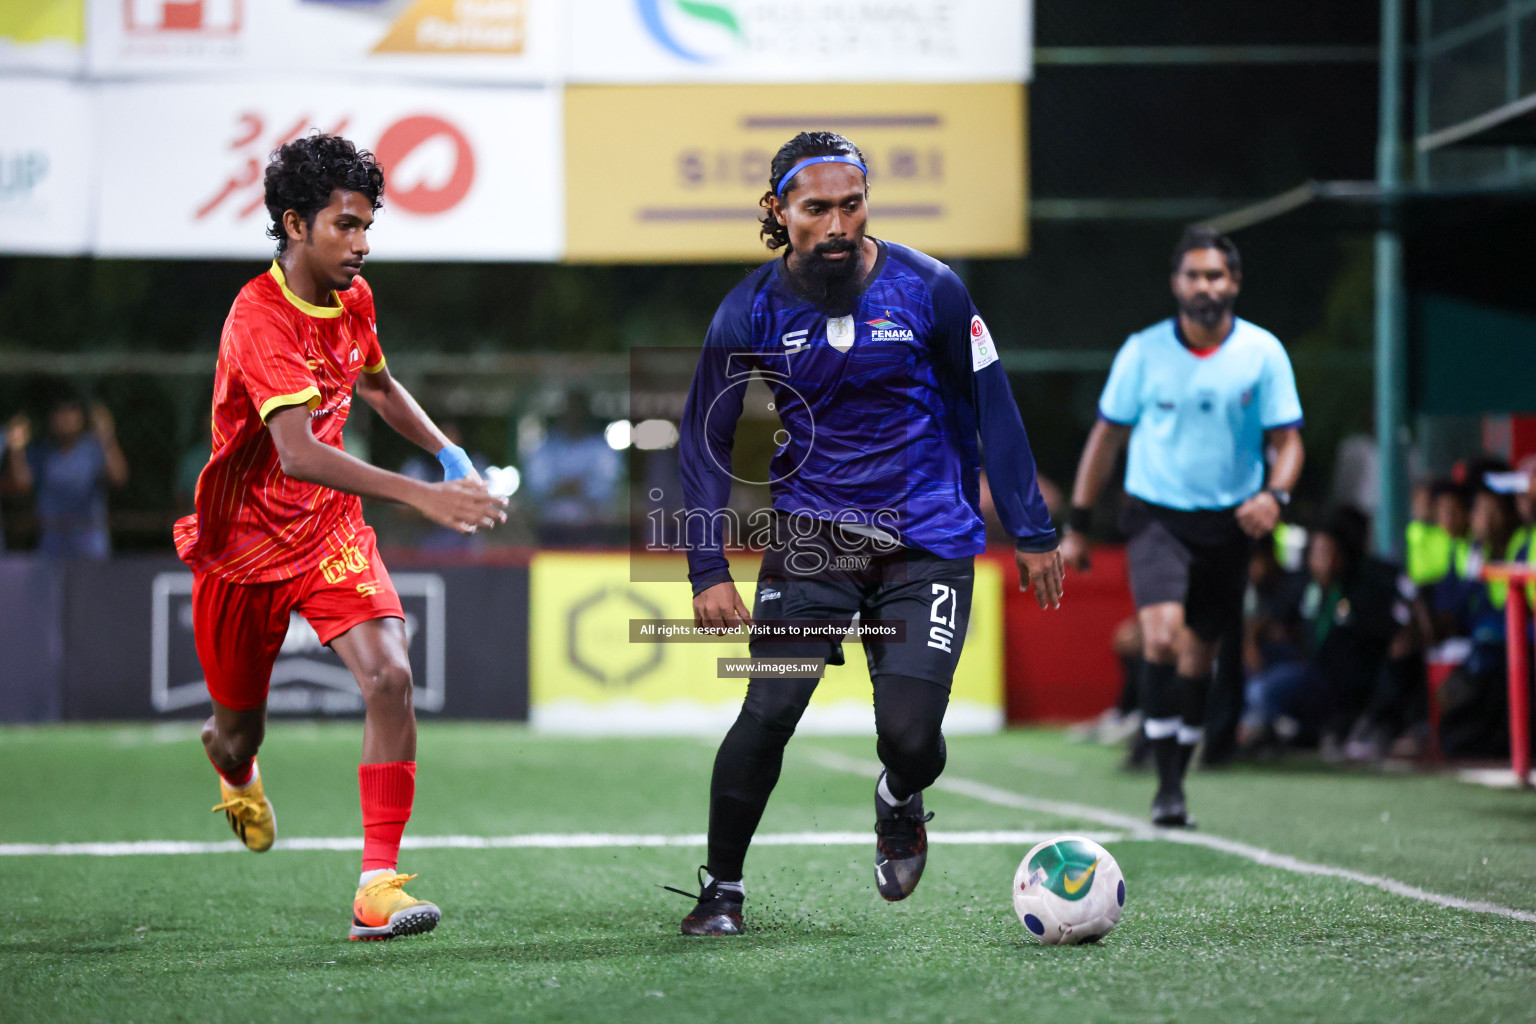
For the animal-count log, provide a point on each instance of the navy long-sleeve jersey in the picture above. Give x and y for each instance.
(882, 410)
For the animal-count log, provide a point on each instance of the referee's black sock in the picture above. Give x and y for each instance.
(1160, 721)
(1168, 755)
(1193, 691)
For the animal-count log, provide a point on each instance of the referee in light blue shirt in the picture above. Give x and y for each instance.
(1200, 397)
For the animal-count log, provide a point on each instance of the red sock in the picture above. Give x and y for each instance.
(239, 777)
(387, 790)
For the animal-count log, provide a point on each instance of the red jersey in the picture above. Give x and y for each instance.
(253, 523)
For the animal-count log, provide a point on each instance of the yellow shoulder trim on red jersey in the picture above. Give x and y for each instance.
(376, 367)
(310, 396)
(326, 312)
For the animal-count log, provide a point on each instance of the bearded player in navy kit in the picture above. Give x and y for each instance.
(883, 374)
(1201, 397)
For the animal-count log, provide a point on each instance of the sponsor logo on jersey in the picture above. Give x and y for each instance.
(795, 339)
(840, 333)
(888, 330)
(983, 350)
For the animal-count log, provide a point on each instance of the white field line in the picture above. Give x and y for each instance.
(541, 841)
(1136, 828)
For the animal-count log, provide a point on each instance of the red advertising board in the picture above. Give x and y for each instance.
(1059, 665)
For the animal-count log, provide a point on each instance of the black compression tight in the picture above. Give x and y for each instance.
(909, 714)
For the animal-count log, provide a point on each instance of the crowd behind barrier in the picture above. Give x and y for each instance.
(1359, 658)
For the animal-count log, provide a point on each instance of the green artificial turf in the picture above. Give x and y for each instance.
(586, 935)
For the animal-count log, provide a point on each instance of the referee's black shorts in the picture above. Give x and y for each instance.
(1198, 559)
(827, 575)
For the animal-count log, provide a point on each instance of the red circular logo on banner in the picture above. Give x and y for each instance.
(401, 139)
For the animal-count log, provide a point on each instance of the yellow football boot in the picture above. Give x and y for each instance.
(382, 910)
(249, 813)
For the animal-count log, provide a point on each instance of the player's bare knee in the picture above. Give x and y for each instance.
(1160, 646)
(237, 745)
(1197, 663)
(388, 685)
(1161, 628)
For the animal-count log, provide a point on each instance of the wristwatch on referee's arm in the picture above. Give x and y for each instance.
(1282, 498)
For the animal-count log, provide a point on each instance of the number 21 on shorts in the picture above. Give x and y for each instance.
(943, 634)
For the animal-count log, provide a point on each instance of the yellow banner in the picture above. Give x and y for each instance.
(585, 676)
(38, 21)
(675, 172)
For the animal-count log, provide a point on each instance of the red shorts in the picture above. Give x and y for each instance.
(239, 627)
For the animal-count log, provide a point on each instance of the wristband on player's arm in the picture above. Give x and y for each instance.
(455, 463)
(1080, 520)
(711, 580)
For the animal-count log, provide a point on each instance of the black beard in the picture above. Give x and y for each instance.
(1206, 312)
(833, 285)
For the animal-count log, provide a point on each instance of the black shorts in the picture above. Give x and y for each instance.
(828, 575)
(1195, 558)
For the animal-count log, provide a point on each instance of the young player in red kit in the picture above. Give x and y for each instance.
(279, 527)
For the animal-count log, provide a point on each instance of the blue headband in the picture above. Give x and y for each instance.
(808, 161)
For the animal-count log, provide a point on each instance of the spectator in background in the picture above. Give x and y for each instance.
(572, 480)
(69, 475)
(1437, 534)
(1458, 596)
(1474, 700)
(1522, 543)
(1520, 547)
(1325, 642)
(13, 456)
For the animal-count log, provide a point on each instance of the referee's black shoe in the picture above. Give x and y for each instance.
(718, 911)
(901, 845)
(1170, 810)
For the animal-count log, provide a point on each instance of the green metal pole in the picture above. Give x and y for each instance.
(1391, 347)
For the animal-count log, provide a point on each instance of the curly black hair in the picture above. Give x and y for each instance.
(304, 173)
(806, 144)
(1198, 236)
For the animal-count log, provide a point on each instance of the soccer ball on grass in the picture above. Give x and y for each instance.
(1068, 890)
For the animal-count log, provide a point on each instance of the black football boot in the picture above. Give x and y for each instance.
(718, 911)
(901, 845)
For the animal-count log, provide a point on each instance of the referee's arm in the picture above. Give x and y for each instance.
(1093, 469)
(1260, 513)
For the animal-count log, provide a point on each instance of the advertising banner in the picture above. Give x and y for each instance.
(586, 675)
(504, 41)
(543, 41)
(472, 174)
(32, 642)
(667, 41)
(42, 35)
(47, 166)
(129, 650)
(675, 172)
